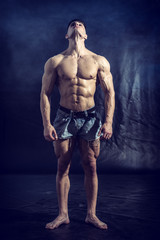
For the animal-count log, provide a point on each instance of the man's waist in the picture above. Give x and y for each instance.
(86, 113)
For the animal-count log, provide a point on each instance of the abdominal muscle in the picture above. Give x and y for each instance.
(77, 94)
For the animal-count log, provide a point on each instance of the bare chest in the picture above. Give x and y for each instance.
(84, 67)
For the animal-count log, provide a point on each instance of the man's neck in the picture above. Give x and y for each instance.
(76, 46)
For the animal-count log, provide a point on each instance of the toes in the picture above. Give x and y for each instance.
(49, 226)
(104, 226)
(56, 224)
(97, 223)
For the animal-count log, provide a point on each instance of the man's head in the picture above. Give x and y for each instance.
(76, 20)
(76, 25)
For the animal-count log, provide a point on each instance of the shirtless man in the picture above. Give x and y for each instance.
(77, 71)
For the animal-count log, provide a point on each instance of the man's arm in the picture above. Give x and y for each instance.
(48, 82)
(106, 82)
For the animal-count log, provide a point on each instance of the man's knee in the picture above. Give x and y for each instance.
(89, 165)
(63, 167)
(63, 150)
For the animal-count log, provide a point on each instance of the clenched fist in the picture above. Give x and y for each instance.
(50, 133)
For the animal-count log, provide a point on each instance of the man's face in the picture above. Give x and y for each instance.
(76, 27)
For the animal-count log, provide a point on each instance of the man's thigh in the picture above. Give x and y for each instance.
(89, 149)
(64, 147)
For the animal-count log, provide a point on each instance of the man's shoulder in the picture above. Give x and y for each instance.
(102, 62)
(100, 59)
(55, 60)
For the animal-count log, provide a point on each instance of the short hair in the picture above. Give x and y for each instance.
(76, 20)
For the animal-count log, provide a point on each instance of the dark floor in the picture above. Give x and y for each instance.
(130, 204)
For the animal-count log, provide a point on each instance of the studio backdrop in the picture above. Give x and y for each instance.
(127, 34)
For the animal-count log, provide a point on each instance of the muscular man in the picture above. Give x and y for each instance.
(77, 71)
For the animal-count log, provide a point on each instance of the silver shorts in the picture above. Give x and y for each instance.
(84, 125)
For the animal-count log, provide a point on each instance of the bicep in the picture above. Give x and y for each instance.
(106, 79)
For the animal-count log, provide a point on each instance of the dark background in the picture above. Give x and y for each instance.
(127, 34)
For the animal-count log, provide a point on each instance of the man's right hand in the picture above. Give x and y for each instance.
(50, 133)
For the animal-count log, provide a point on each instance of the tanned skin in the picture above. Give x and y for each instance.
(76, 71)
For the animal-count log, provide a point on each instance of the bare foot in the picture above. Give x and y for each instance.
(57, 222)
(96, 222)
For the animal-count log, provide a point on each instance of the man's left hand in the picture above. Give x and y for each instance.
(106, 129)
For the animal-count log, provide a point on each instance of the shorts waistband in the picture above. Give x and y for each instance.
(81, 113)
(70, 111)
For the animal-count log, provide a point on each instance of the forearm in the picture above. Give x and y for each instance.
(109, 107)
(45, 107)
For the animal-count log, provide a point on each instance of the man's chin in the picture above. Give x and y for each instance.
(76, 33)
